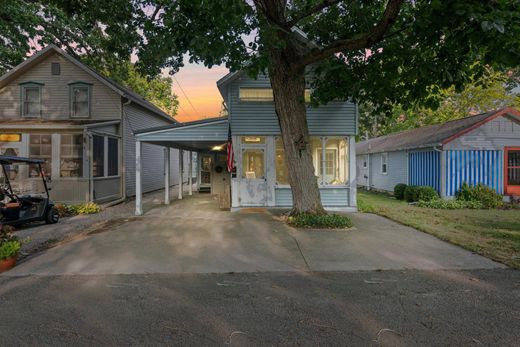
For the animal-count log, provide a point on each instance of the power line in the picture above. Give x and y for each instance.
(186, 96)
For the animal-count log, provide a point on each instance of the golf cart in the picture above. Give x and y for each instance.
(19, 209)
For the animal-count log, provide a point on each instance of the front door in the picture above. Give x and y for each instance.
(206, 166)
(253, 180)
(512, 171)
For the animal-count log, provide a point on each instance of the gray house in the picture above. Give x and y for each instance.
(479, 149)
(82, 125)
(261, 177)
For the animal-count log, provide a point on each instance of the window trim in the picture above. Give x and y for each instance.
(307, 95)
(51, 157)
(23, 87)
(105, 156)
(80, 84)
(83, 157)
(384, 155)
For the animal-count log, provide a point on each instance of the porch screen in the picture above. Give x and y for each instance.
(40, 147)
(98, 149)
(71, 156)
(253, 163)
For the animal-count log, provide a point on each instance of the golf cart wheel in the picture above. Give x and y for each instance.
(52, 216)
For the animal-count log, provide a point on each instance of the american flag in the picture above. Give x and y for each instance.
(230, 155)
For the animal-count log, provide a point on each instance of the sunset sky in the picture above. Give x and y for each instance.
(199, 85)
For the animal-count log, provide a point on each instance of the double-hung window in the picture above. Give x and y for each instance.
(40, 147)
(31, 98)
(80, 100)
(71, 156)
(384, 163)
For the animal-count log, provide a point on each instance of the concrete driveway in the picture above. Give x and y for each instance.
(194, 236)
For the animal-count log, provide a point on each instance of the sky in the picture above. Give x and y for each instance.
(198, 84)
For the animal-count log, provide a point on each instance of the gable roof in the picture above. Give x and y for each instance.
(119, 89)
(432, 135)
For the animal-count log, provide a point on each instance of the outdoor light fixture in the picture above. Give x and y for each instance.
(217, 148)
(10, 137)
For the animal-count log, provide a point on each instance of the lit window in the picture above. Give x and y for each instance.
(384, 163)
(71, 156)
(282, 174)
(253, 163)
(40, 147)
(10, 137)
(332, 162)
(256, 94)
(253, 139)
(31, 100)
(80, 100)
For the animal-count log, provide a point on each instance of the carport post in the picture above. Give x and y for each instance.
(181, 162)
(190, 172)
(167, 175)
(138, 182)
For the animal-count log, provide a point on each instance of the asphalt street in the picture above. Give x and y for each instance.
(434, 308)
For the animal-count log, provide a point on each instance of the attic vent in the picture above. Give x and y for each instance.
(55, 68)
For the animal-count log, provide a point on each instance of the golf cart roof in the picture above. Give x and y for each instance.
(6, 159)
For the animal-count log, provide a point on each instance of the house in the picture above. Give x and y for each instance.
(484, 148)
(55, 108)
(261, 177)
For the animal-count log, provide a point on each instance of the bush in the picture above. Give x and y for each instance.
(487, 196)
(450, 204)
(399, 191)
(419, 193)
(73, 210)
(329, 221)
(9, 244)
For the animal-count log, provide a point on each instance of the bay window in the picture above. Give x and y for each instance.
(71, 156)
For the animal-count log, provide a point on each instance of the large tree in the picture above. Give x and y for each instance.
(365, 50)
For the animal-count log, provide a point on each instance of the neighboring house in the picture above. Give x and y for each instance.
(479, 149)
(55, 108)
(261, 177)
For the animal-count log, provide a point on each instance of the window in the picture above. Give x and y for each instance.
(40, 147)
(31, 100)
(253, 163)
(384, 163)
(113, 155)
(98, 155)
(10, 137)
(253, 139)
(71, 156)
(282, 174)
(80, 100)
(329, 156)
(55, 68)
(256, 94)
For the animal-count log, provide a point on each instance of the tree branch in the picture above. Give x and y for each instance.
(363, 40)
(311, 10)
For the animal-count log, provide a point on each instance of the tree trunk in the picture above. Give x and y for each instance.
(289, 98)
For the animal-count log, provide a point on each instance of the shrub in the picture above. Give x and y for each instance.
(426, 193)
(410, 193)
(88, 208)
(9, 244)
(399, 191)
(329, 221)
(487, 196)
(450, 204)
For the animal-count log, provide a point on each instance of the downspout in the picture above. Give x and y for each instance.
(88, 135)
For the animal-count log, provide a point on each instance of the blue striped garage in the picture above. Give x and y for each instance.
(484, 148)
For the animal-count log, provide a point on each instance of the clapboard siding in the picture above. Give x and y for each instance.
(330, 197)
(217, 131)
(137, 118)
(493, 135)
(396, 167)
(259, 118)
(105, 103)
(107, 189)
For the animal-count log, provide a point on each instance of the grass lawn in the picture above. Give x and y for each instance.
(491, 233)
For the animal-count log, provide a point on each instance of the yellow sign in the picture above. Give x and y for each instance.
(10, 137)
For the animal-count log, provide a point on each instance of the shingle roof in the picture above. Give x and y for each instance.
(428, 136)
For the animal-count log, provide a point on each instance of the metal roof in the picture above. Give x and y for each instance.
(6, 159)
(181, 125)
(429, 136)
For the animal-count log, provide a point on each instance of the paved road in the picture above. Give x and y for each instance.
(438, 308)
(194, 236)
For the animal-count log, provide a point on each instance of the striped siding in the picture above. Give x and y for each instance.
(473, 167)
(330, 197)
(424, 169)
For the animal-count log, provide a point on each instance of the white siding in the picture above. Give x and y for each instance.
(397, 171)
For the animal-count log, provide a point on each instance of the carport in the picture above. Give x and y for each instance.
(198, 136)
